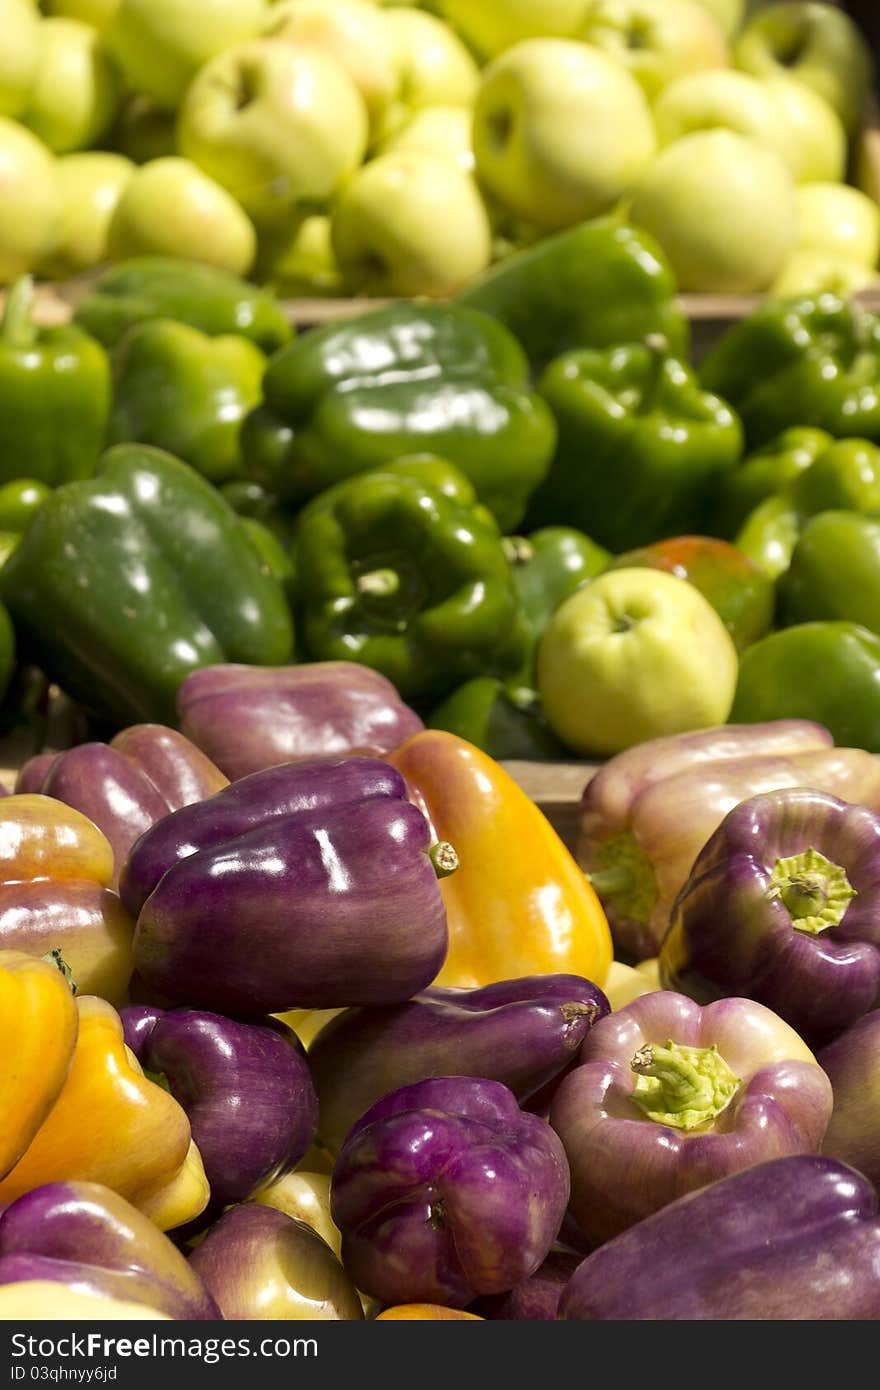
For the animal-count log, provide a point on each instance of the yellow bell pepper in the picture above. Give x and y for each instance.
(38, 1027)
(111, 1124)
(518, 904)
(42, 1300)
(55, 871)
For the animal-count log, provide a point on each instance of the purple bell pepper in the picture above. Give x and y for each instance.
(783, 905)
(445, 1190)
(790, 1239)
(309, 885)
(536, 1299)
(852, 1062)
(247, 718)
(86, 1236)
(668, 1096)
(524, 1033)
(245, 1086)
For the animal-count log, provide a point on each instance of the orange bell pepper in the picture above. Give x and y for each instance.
(55, 868)
(38, 1027)
(111, 1124)
(518, 904)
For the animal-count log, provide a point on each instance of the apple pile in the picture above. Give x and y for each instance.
(346, 147)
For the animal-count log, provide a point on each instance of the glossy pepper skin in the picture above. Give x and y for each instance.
(446, 1189)
(536, 1299)
(111, 1124)
(524, 1033)
(308, 885)
(348, 398)
(185, 392)
(189, 292)
(850, 1061)
(55, 387)
(247, 718)
(19, 499)
(594, 285)
(39, 1021)
(245, 1086)
(399, 577)
(761, 474)
(56, 868)
(824, 671)
(791, 1239)
(646, 814)
(640, 445)
(781, 905)
(548, 565)
(835, 572)
(801, 361)
(125, 786)
(668, 1096)
(517, 904)
(189, 589)
(505, 720)
(84, 1235)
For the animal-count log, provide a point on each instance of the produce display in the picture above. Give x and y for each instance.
(314, 1011)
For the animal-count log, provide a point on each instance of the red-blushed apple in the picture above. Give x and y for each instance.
(160, 44)
(810, 273)
(835, 219)
(723, 209)
(275, 124)
(635, 654)
(439, 130)
(30, 200)
(561, 131)
(91, 184)
(76, 91)
(20, 27)
(814, 131)
(356, 34)
(434, 66)
(169, 207)
(490, 26)
(408, 224)
(657, 40)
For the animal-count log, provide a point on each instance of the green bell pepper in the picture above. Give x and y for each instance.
(761, 474)
(594, 285)
(844, 477)
(640, 445)
(125, 583)
(547, 566)
(165, 287)
(19, 500)
(398, 576)
(504, 720)
(408, 378)
(55, 393)
(185, 392)
(834, 571)
(803, 361)
(825, 671)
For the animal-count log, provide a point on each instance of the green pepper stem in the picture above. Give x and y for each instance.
(658, 347)
(608, 882)
(18, 328)
(518, 550)
(444, 858)
(55, 957)
(379, 583)
(684, 1087)
(815, 891)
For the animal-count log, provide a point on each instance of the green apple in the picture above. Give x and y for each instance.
(817, 43)
(98, 13)
(275, 124)
(76, 91)
(30, 200)
(721, 100)
(561, 131)
(835, 219)
(730, 14)
(434, 67)
(20, 26)
(441, 130)
(724, 210)
(301, 262)
(142, 130)
(91, 185)
(814, 131)
(160, 44)
(410, 223)
(635, 654)
(169, 207)
(812, 273)
(356, 34)
(657, 40)
(490, 26)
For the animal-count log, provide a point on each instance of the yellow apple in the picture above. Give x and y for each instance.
(409, 223)
(30, 200)
(76, 91)
(657, 40)
(434, 66)
(91, 184)
(98, 13)
(561, 131)
(814, 132)
(300, 261)
(812, 273)
(730, 14)
(837, 220)
(723, 208)
(439, 130)
(490, 26)
(721, 100)
(19, 53)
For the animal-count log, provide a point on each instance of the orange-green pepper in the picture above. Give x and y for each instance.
(38, 1026)
(55, 871)
(111, 1124)
(517, 904)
